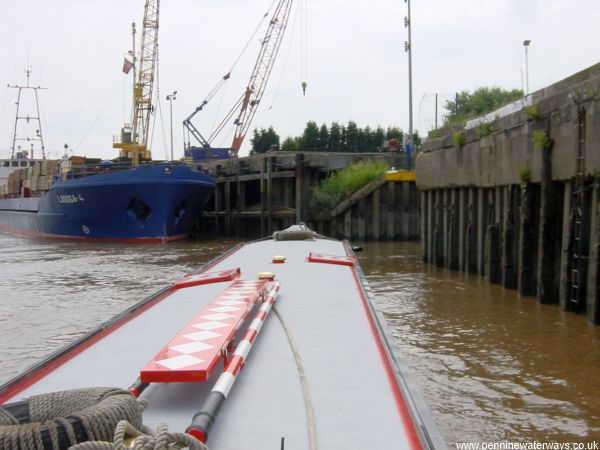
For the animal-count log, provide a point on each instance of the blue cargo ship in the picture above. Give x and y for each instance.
(158, 202)
(139, 202)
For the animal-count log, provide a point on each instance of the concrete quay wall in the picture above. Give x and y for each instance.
(516, 200)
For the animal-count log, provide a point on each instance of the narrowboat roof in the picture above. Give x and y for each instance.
(322, 371)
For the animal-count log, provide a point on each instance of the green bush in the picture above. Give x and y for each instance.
(342, 184)
(524, 174)
(541, 140)
(532, 112)
(484, 129)
(458, 137)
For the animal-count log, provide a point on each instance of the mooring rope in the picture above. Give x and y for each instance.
(96, 411)
(161, 440)
(310, 414)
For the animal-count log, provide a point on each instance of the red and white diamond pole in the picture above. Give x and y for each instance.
(204, 420)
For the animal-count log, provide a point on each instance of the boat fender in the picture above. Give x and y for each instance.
(59, 420)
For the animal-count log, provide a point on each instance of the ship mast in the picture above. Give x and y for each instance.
(28, 118)
(134, 138)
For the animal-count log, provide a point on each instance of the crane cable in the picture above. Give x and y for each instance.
(304, 44)
(221, 82)
(226, 77)
(285, 62)
(162, 122)
(95, 121)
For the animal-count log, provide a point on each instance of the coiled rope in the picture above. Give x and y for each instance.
(58, 420)
(127, 436)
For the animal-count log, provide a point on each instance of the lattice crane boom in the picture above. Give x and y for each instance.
(134, 142)
(245, 107)
(260, 74)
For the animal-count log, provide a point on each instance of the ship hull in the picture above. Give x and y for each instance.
(154, 203)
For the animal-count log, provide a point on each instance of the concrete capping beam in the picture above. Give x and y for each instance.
(496, 159)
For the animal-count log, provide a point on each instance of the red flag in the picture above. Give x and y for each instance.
(127, 65)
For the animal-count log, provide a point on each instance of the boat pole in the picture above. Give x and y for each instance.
(204, 420)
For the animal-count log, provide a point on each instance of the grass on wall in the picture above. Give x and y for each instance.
(342, 184)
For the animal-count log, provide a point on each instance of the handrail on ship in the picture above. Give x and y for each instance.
(93, 169)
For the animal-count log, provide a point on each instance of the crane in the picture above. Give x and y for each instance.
(133, 141)
(247, 104)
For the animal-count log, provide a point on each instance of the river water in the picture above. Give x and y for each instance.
(492, 366)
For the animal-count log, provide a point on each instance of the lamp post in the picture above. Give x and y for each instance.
(526, 45)
(408, 49)
(170, 98)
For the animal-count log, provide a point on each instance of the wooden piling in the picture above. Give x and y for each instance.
(462, 226)
(227, 208)
(593, 280)
(430, 226)
(526, 282)
(269, 198)
(549, 230)
(567, 247)
(452, 244)
(390, 212)
(471, 232)
(509, 239)
(376, 215)
(492, 256)
(481, 211)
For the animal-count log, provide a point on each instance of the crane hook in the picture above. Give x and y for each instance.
(304, 88)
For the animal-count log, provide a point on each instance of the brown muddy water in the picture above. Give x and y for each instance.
(492, 366)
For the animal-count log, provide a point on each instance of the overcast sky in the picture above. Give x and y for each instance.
(356, 66)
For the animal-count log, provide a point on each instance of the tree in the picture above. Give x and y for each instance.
(264, 140)
(291, 144)
(480, 102)
(352, 137)
(378, 138)
(394, 133)
(310, 137)
(335, 137)
(323, 140)
(362, 144)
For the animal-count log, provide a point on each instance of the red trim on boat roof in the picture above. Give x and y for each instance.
(27, 380)
(207, 278)
(403, 409)
(54, 364)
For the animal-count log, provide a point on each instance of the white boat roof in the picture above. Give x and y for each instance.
(361, 395)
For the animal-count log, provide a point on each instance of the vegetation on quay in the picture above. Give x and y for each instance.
(458, 138)
(468, 105)
(340, 185)
(541, 140)
(524, 175)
